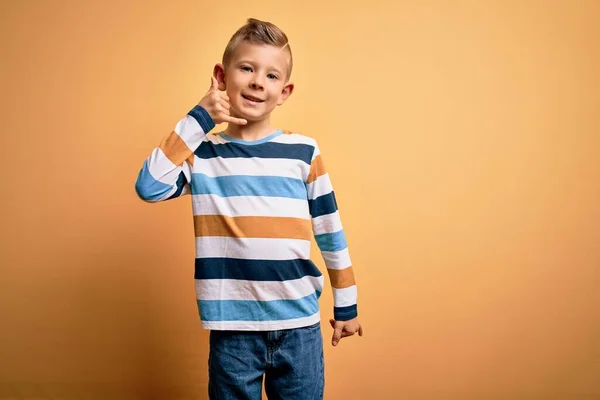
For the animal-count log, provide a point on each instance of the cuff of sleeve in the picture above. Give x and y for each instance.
(345, 313)
(203, 118)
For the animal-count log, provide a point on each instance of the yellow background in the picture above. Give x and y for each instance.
(462, 138)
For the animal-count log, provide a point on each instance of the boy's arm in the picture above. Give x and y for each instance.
(167, 172)
(330, 237)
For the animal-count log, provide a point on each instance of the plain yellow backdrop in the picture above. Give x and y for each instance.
(462, 138)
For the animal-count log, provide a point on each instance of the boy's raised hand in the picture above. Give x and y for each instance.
(342, 329)
(216, 103)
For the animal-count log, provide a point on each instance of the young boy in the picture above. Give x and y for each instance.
(256, 193)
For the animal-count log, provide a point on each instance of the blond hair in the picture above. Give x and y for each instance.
(258, 32)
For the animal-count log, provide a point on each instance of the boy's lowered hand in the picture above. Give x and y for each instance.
(342, 329)
(216, 103)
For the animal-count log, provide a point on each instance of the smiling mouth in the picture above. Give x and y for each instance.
(251, 98)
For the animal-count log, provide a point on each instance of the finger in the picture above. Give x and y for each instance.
(337, 335)
(237, 121)
(224, 104)
(224, 96)
(222, 109)
(214, 84)
(346, 334)
(332, 322)
(360, 330)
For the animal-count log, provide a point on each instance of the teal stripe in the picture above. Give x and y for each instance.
(332, 241)
(252, 310)
(149, 188)
(249, 185)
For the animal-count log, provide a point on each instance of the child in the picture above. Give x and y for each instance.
(256, 192)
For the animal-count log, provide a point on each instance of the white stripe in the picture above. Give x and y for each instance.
(190, 131)
(344, 297)
(218, 166)
(319, 187)
(252, 248)
(235, 289)
(242, 206)
(294, 138)
(186, 190)
(161, 168)
(316, 153)
(329, 223)
(337, 259)
(187, 170)
(216, 138)
(262, 325)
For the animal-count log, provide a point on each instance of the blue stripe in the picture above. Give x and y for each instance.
(296, 151)
(148, 188)
(335, 241)
(323, 205)
(250, 142)
(251, 310)
(254, 270)
(249, 185)
(345, 313)
(203, 118)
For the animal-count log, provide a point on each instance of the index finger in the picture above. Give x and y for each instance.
(233, 120)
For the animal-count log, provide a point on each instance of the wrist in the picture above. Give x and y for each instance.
(345, 313)
(200, 114)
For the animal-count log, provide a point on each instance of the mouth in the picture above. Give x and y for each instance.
(252, 98)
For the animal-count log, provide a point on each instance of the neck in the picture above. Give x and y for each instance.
(253, 130)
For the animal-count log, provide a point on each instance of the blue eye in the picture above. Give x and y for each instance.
(271, 76)
(246, 68)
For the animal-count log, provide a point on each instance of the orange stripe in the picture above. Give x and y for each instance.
(341, 278)
(190, 160)
(252, 227)
(317, 168)
(175, 148)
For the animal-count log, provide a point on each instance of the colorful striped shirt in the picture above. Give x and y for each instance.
(256, 206)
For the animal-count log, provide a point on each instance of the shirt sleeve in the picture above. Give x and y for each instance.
(166, 173)
(331, 239)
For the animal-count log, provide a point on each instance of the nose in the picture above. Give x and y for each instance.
(256, 83)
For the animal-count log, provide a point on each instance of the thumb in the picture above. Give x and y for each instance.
(337, 335)
(214, 84)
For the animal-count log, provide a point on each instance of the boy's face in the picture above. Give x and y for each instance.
(255, 80)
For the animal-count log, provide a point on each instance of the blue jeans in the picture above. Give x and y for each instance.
(291, 361)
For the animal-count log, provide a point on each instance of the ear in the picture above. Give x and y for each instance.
(287, 91)
(219, 74)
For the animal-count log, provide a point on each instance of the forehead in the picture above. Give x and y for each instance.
(262, 54)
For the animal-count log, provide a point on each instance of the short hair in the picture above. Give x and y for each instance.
(258, 32)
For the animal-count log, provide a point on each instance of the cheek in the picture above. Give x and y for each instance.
(275, 90)
(233, 91)
(276, 94)
(233, 83)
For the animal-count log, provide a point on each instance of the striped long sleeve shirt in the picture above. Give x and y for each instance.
(256, 205)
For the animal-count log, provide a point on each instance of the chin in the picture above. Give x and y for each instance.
(252, 117)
